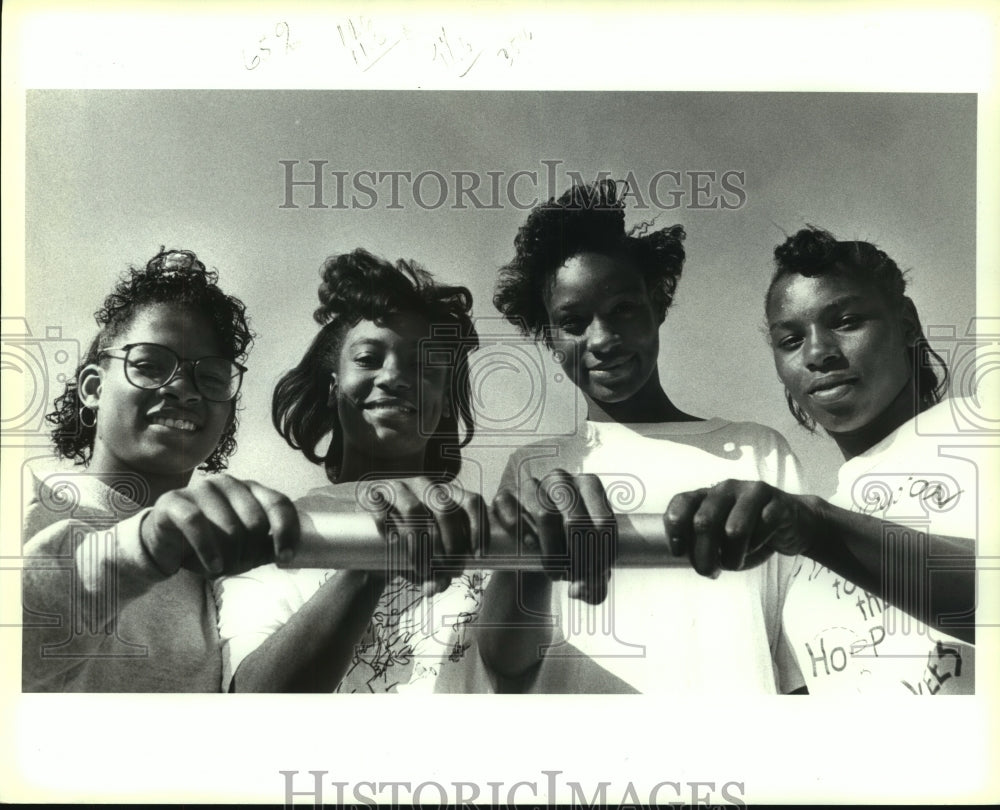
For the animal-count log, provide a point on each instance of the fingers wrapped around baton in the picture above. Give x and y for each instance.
(560, 524)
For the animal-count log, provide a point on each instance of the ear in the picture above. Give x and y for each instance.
(88, 385)
(331, 399)
(912, 331)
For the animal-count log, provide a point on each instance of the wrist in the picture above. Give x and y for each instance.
(147, 541)
(534, 591)
(815, 536)
(371, 583)
(375, 581)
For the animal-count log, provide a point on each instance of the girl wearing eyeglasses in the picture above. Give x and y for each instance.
(115, 591)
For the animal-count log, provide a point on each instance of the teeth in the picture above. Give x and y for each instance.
(177, 424)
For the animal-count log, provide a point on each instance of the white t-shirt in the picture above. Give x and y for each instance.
(407, 642)
(926, 475)
(666, 630)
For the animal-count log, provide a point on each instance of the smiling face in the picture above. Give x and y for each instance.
(166, 431)
(842, 353)
(389, 403)
(607, 329)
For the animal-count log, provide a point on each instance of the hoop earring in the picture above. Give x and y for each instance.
(83, 421)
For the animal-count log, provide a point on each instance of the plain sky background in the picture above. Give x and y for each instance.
(112, 175)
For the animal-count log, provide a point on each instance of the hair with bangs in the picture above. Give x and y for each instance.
(358, 286)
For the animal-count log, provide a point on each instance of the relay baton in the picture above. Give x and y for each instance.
(352, 540)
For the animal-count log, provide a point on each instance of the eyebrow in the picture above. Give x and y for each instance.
(365, 342)
(409, 347)
(573, 308)
(837, 303)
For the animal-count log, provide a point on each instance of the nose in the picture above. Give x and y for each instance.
(181, 385)
(601, 336)
(395, 375)
(822, 350)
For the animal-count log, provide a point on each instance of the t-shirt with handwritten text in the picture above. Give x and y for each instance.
(924, 476)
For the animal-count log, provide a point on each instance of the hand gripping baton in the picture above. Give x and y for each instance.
(351, 540)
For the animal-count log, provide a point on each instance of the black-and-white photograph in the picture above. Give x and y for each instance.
(639, 438)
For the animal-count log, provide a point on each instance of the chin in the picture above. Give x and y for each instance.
(849, 423)
(609, 397)
(393, 445)
(171, 467)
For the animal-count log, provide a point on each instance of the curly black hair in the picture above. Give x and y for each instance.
(586, 218)
(170, 277)
(813, 251)
(359, 286)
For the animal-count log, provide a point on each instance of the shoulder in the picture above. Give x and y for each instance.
(52, 494)
(756, 432)
(919, 472)
(961, 418)
(759, 450)
(953, 422)
(36, 512)
(763, 440)
(538, 457)
(540, 449)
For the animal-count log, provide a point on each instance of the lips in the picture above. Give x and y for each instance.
(610, 366)
(831, 389)
(174, 421)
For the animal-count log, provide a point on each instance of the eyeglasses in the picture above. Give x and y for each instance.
(150, 365)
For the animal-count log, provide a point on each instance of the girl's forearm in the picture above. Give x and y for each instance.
(894, 562)
(514, 625)
(311, 652)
